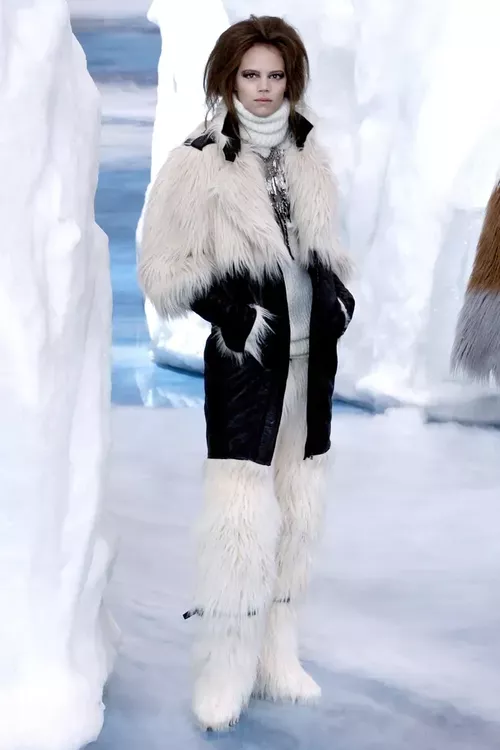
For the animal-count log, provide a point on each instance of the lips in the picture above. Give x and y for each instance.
(264, 100)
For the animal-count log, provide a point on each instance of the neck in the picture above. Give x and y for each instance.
(263, 133)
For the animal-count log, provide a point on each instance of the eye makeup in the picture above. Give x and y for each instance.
(278, 74)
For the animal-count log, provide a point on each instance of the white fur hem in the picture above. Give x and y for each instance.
(260, 330)
(344, 266)
(224, 349)
(255, 339)
(171, 291)
(347, 317)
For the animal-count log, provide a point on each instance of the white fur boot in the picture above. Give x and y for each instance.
(236, 574)
(281, 677)
(300, 489)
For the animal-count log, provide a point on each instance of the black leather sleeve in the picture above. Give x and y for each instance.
(234, 320)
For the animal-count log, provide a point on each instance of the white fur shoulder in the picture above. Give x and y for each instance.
(206, 217)
(176, 249)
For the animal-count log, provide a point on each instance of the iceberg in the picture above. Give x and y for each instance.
(186, 46)
(428, 150)
(55, 332)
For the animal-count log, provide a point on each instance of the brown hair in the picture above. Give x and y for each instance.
(225, 59)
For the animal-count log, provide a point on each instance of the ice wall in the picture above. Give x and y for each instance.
(189, 31)
(410, 112)
(55, 322)
(427, 150)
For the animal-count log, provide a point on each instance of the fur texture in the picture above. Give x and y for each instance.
(236, 573)
(476, 350)
(281, 676)
(225, 662)
(485, 275)
(300, 490)
(175, 264)
(260, 330)
(236, 538)
(254, 342)
(224, 349)
(314, 203)
(345, 313)
(206, 216)
(255, 539)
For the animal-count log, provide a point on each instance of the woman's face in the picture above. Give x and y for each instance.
(261, 80)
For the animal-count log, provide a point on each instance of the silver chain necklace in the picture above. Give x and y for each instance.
(277, 190)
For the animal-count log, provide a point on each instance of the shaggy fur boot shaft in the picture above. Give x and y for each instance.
(255, 539)
(237, 537)
(300, 490)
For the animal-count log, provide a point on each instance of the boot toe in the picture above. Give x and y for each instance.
(291, 683)
(216, 710)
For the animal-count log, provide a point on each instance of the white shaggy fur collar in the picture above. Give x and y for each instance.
(208, 216)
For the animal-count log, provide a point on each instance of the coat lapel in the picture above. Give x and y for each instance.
(246, 235)
(313, 199)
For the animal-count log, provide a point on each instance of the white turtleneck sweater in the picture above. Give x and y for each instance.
(262, 134)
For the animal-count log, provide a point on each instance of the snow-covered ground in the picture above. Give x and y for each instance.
(55, 332)
(401, 624)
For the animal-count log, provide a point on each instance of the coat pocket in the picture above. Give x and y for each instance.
(231, 321)
(260, 334)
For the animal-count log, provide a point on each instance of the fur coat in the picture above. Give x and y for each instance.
(211, 244)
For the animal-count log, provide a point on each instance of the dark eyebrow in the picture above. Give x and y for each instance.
(271, 73)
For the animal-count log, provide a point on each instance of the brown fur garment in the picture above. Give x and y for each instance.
(485, 275)
(476, 350)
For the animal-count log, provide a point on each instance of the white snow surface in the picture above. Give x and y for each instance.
(55, 323)
(410, 112)
(400, 626)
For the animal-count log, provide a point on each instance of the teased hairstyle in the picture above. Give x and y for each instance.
(225, 59)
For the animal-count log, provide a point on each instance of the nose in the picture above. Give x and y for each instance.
(264, 86)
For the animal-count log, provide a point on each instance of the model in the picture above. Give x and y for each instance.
(240, 227)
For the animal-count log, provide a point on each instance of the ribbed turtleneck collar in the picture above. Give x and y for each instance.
(263, 133)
